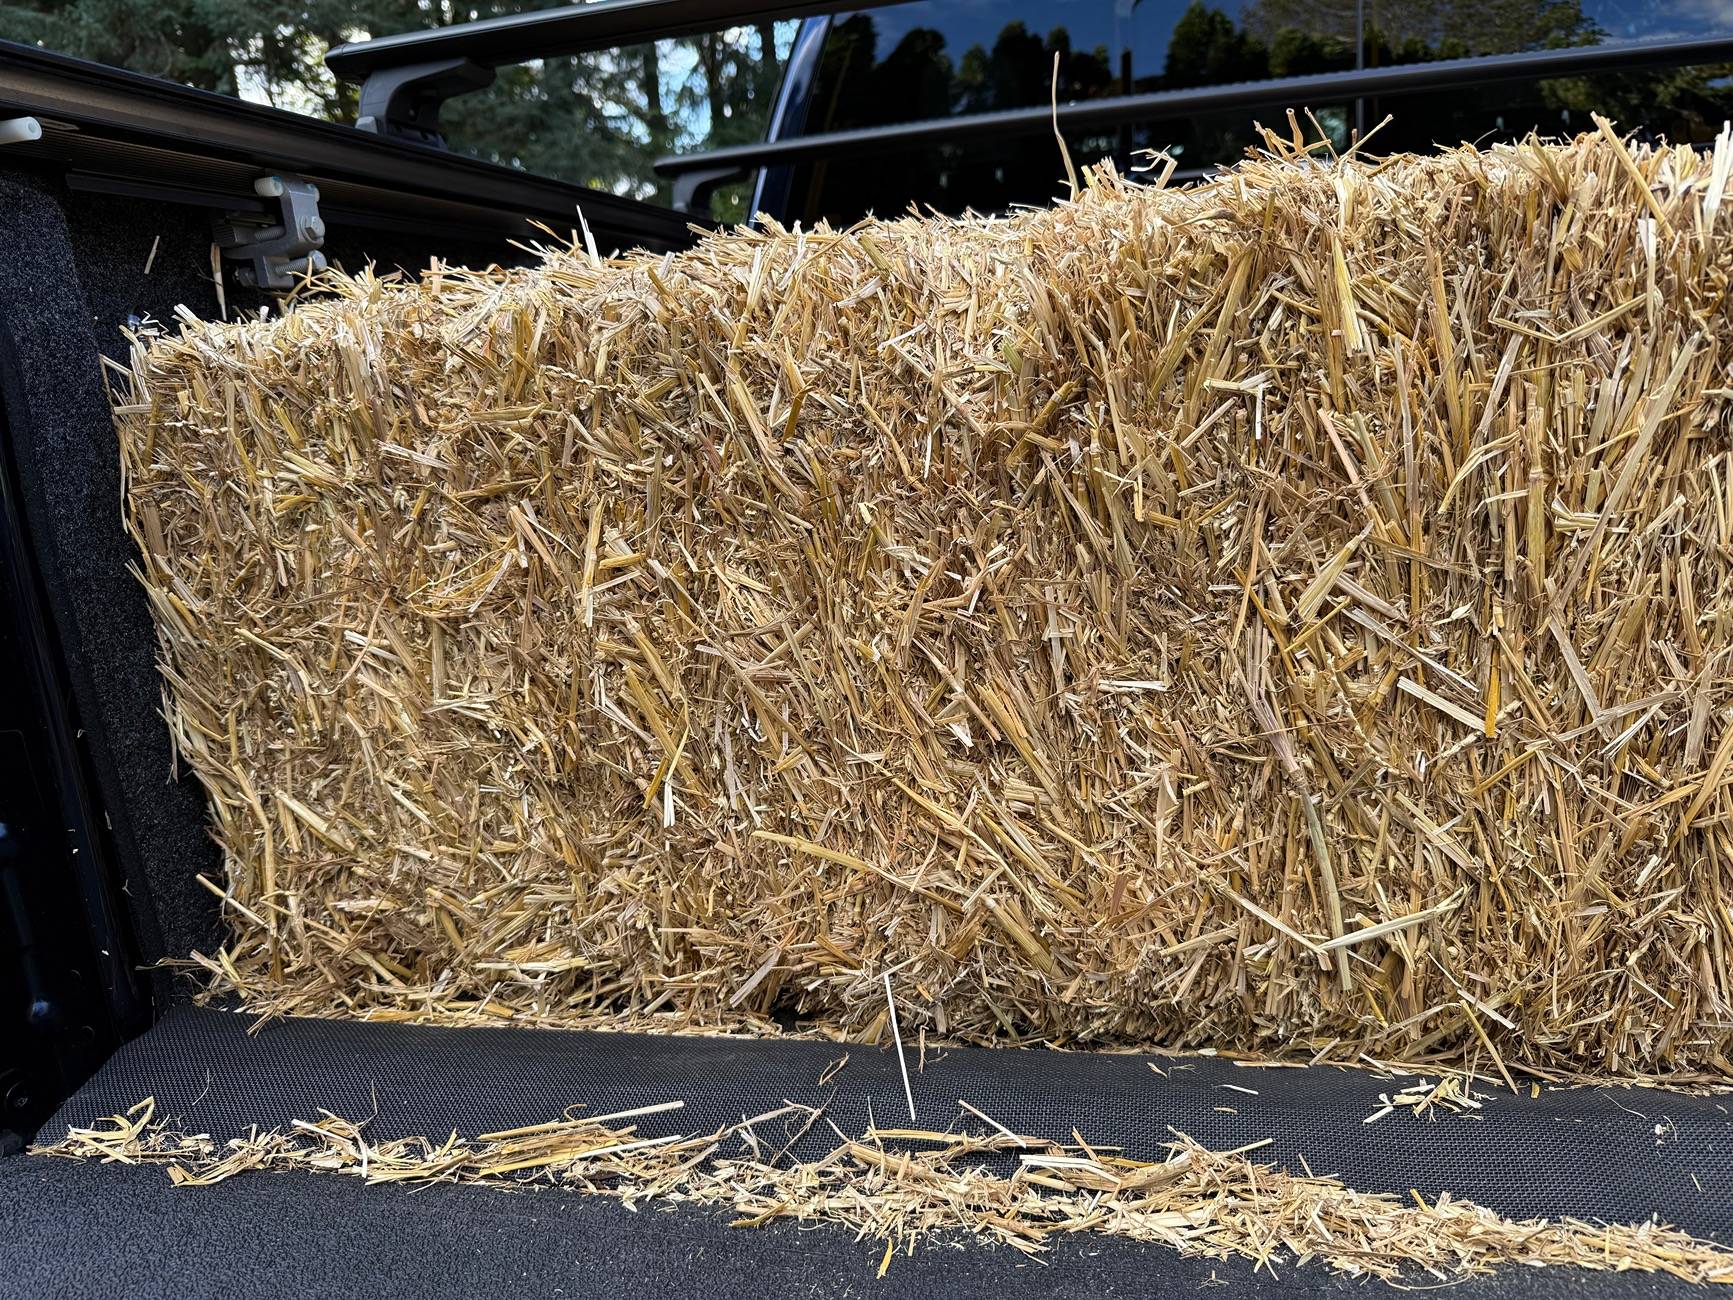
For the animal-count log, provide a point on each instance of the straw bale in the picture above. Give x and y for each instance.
(1289, 613)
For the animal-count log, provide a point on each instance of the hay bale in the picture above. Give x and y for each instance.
(1286, 613)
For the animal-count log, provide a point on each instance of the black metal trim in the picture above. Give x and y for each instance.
(90, 992)
(192, 196)
(772, 188)
(548, 32)
(738, 160)
(130, 108)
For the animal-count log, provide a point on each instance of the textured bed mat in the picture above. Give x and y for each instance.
(1616, 1154)
(77, 1230)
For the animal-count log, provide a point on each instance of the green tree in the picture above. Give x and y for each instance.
(1416, 30)
(1018, 72)
(1208, 48)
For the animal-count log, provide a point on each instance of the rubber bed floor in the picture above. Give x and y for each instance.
(85, 1229)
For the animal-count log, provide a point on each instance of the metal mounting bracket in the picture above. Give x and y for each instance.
(691, 190)
(403, 103)
(275, 251)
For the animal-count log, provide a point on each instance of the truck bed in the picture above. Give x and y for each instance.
(109, 218)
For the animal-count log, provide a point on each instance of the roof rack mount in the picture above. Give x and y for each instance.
(404, 102)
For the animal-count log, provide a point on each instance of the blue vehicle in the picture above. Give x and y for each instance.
(953, 105)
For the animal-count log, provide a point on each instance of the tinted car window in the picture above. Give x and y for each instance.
(933, 58)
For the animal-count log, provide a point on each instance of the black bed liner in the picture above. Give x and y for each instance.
(1600, 1153)
(76, 1231)
(1597, 1153)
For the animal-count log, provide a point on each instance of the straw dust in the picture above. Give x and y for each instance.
(902, 1185)
(1289, 613)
